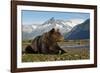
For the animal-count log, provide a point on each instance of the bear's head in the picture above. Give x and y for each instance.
(55, 35)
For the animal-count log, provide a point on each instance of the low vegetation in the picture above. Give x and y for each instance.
(71, 54)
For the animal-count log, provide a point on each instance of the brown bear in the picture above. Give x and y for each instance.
(46, 43)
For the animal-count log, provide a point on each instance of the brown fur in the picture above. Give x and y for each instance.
(46, 44)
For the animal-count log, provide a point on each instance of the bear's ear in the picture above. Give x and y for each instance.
(53, 30)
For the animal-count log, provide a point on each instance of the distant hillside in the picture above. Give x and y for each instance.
(31, 31)
(81, 31)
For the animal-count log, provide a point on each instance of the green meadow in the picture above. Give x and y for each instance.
(71, 54)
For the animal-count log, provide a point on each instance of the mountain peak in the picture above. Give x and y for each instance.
(50, 21)
(80, 31)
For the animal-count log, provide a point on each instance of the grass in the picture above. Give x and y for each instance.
(71, 54)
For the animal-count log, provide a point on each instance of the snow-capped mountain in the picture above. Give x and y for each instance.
(31, 31)
(80, 31)
(57, 24)
(74, 22)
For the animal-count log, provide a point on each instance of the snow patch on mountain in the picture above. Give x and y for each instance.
(31, 31)
(74, 22)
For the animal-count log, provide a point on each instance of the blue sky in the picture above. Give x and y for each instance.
(38, 17)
